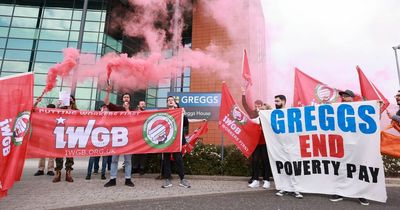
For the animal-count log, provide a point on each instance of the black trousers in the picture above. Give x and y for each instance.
(167, 165)
(260, 154)
(138, 162)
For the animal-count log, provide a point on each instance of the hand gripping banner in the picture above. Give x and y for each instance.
(331, 149)
(74, 133)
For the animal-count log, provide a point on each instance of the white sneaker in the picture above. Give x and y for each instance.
(266, 184)
(254, 184)
(298, 195)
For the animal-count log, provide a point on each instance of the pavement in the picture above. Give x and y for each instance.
(40, 193)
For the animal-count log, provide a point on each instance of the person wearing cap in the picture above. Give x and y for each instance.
(395, 117)
(348, 96)
(69, 162)
(260, 152)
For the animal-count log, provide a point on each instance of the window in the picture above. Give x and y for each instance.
(26, 11)
(92, 26)
(24, 22)
(83, 93)
(54, 35)
(18, 55)
(6, 10)
(49, 56)
(93, 15)
(56, 24)
(89, 47)
(57, 13)
(51, 45)
(90, 37)
(42, 67)
(27, 33)
(20, 44)
(2, 42)
(3, 31)
(5, 21)
(15, 66)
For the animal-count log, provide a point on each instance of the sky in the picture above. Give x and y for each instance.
(327, 39)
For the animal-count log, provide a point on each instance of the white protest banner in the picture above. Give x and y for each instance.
(330, 149)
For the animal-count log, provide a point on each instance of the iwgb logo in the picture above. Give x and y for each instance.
(21, 127)
(325, 94)
(14, 134)
(160, 130)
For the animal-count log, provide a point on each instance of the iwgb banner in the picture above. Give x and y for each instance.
(74, 133)
(234, 123)
(330, 149)
(16, 100)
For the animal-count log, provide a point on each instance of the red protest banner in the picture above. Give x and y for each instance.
(308, 91)
(191, 142)
(74, 133)
(237, 125)
(16, 93)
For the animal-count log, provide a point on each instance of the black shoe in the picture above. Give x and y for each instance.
(96, 172)
(250, 180)
(129, 183)
(87, 177)
(363, 201)
(103, 177)
(111, 183)
(50, 173)
(39, 173)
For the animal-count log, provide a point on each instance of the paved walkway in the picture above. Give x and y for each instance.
(40, 193)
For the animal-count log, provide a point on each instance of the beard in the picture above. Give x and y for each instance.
(278, 106)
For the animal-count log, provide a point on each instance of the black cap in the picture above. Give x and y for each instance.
(347, 92)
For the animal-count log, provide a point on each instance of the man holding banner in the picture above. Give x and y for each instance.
(348, 96)
(171, 104)
(126, 99)
(280, 103)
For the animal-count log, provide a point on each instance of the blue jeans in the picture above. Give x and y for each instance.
(95, 161)
(127, 164)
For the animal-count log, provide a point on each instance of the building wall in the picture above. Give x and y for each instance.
(207, 31)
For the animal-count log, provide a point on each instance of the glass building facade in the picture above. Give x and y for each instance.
(33, 34)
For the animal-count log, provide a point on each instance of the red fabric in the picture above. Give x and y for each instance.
(234, 123)
(16, 103)
(246, 75)
(369, 91)
(309, 91)
(191, 142)
(74, 133)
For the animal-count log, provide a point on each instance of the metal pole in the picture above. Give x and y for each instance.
(397, 62)
(79, 45)
(222, 147)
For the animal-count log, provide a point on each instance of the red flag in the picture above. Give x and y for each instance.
(369, 91)
(309, 91)
(191, 142)
(236, 125)
(246, 75)
(16, 93)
